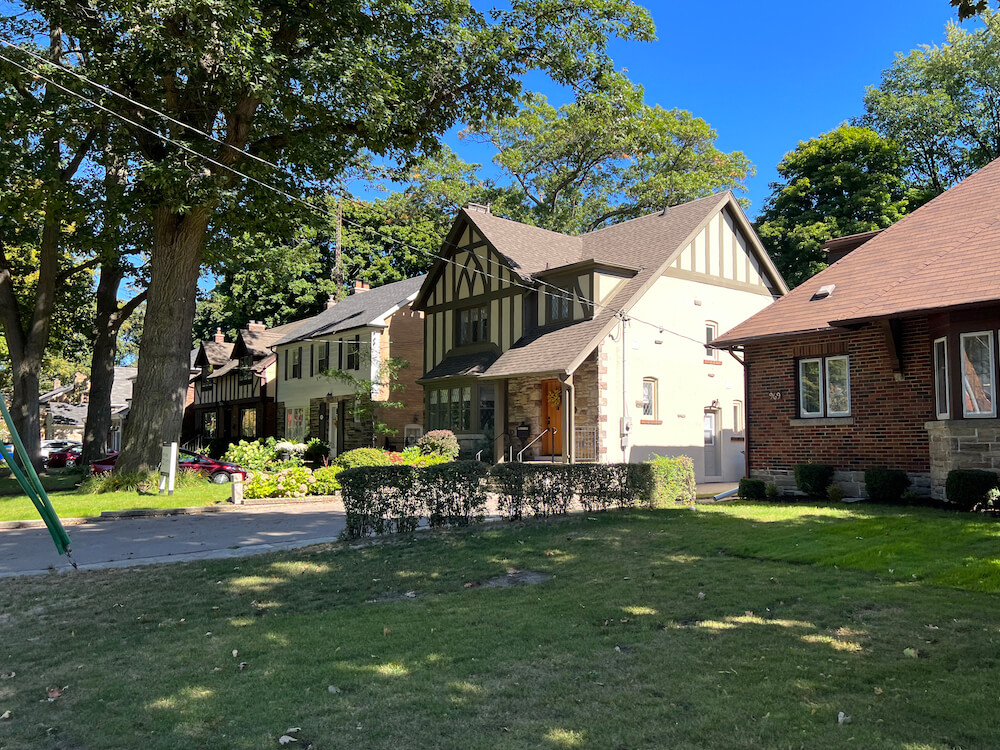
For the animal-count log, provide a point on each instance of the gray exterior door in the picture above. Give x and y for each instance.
(713, 445)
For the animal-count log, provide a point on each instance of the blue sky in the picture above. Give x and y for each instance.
(767, 75)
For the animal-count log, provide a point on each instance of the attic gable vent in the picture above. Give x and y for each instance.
(823, 292)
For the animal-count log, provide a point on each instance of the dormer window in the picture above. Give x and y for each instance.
(473, 325)
(560, 306)
(206, 384)
(246, 369)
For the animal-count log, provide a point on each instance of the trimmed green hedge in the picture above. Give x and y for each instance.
(393, 498)
(673, 480)
(813, 479)
(969, 489)
(886, 485)
(752, 489)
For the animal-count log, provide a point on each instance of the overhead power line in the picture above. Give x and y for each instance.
(318, 210)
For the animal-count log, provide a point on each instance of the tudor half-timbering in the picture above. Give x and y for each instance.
(593, 348)
(234, 387)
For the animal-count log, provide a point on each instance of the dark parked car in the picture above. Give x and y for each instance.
(63, 459)
(217, 471)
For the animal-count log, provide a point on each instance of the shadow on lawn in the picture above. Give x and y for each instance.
(656, 628)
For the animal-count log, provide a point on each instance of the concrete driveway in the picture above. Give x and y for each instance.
(144, 541)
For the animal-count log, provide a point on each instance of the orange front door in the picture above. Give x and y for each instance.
(552, 417)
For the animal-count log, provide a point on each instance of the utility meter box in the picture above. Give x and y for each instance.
(626, 426)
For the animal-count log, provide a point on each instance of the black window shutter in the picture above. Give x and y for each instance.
(357, 351)
(312, 352)
(288, 353)
(340, 354)
(326, 358)
(300, 363)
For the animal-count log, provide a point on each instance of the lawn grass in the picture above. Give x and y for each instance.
(79, 505)
(658, 629)
(52, 482)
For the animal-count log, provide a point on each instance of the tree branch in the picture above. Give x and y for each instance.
(63, 275)
(130, 307)
(81, 153)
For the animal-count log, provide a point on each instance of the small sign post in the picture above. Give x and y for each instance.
(168, 468)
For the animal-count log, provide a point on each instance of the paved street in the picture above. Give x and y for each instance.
(142, 541)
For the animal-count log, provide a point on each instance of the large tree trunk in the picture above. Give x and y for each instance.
(158, 397)
(25, 412)
(102, 368)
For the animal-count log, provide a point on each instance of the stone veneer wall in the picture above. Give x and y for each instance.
(962, 444)
(591, 401)
(524, 404)
(853, 482)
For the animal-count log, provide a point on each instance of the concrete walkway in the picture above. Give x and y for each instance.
(249, 530)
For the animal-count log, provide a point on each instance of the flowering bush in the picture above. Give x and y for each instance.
(292, 481)
(293, 449)
(439, 441)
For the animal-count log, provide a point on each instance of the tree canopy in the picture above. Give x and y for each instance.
(843, 182)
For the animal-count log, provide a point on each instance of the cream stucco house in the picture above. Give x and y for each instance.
(354, 336)
(595, 347)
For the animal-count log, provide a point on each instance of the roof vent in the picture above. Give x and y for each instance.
(823, 292)
(482, 208)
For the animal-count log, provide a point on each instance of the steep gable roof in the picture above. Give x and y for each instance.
(942, 255)
(258, 343)
(360, 309)
(649, 243)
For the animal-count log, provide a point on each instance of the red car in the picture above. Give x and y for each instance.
(219, 472)
(63, 459)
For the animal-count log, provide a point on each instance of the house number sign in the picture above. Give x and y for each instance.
(775, 396)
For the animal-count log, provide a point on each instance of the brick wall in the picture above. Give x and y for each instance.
(886, 427)
(404, 338)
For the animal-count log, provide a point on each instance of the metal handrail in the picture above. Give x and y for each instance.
(493, 442)
(538, 437)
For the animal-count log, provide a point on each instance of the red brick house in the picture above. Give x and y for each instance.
(889, 357)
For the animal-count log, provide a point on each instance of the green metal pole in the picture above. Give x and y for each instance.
(32, 485)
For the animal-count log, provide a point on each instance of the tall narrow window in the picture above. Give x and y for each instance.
(810, 388)
(296, 363)
(473, 325)
(248, 422)
(942, 390)
(560, 306)
(738, 417)
(649, 405)
(354, 353)
(838, 387)
(711, 331)
(978, 385)
(246, 369)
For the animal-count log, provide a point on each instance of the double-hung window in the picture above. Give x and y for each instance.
(711, 332)
(246, 369)
(560, 306)
(942, 389)
(296, 363)
(649, 405)
(825, 387)
(978, 382)
(353, 355)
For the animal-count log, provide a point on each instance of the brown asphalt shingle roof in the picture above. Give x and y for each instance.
(527, 248)
(944, 254)
(648, 243)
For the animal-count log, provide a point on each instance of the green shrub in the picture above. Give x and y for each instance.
(253, 455)
(360, 457)
(290, 481)
(771, 491)
(380, 500)
(412, 456)
(454, 492)
(835, 493)
(317, 447)
(145, 482)
(326, 481)
(969, 489)
(673, 480)
(886, 485)
(439, 441)
(813, 479)
(545, 490)
(752, 489)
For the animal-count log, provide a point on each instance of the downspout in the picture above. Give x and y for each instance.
(746, 410)
(626, 424)
(568, 425)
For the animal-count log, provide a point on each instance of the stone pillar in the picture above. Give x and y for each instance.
(499, 420)
(568, 425)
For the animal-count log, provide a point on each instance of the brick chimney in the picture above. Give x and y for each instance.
(220, 337)
(56, 383)
(361, 286)
(480, 208)
(256, 326)
(330, 301)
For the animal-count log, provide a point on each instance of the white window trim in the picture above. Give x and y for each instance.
(826, 376)
(739, 419)
(712, 353)
(654, 400)
(822, 390)
(947, 380)
(993, 366)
